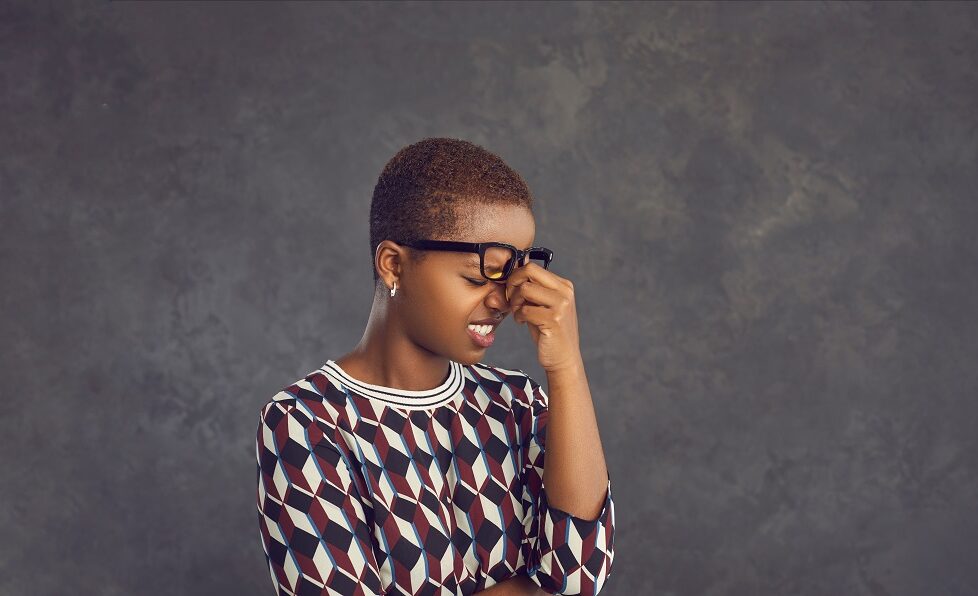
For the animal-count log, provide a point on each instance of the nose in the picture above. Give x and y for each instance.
(497, 297)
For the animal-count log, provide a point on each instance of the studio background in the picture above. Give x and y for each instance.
(768, 211)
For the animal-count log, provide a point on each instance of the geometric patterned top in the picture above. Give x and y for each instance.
(364, 489)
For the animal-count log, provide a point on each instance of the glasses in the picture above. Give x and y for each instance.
(496, 259)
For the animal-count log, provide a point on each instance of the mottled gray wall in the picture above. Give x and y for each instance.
(767, 210)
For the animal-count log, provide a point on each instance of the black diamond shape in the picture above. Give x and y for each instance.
(338, 536)
(396, 462)
(594, 562)
(335, 397)
(268, 461)
(429, 500)
(406, 552)
(300, 415)
(307, 588)
(423, 458)
(472, 416)
(493, 491)
(375, 470)
(420, 418)
(381, 514)
(495, 387)
(436, 543)
(342, 583)
(274, 415)
(297, 499)
(566, 556)
(584, 527)
(271, 509)
(488, 534)
(327, 453)
(277, 551)
(467, 451)
(304, 542)
(496, 449)
(515, 530)
(294, 453)
(393, 420)
(463, 498)
(519, 410)
(366, 431)
(404, 509)
(330, 493)
(444, 457)
(497, 412)
(461, 540)
(372, 581)
(444, 417)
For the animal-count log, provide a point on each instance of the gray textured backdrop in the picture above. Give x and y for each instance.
(768, 211)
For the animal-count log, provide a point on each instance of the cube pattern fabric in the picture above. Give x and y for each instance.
(364, 489)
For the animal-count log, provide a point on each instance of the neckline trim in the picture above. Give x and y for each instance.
(425, 398)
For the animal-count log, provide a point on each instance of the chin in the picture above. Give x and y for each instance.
(469, 358)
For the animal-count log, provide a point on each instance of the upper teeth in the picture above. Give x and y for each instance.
(481, 329)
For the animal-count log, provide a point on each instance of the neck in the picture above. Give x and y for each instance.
(386, 356)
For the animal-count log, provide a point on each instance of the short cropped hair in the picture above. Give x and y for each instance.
(422, 191)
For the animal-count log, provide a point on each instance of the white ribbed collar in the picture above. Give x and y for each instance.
(427, 398)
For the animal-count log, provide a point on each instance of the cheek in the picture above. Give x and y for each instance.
(447, 302)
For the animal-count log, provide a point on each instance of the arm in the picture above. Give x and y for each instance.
(566, 552)
(575, 472)
(312, 520)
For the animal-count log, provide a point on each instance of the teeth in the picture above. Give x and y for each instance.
(481, 329)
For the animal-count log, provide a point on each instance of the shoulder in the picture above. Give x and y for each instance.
(312, 398)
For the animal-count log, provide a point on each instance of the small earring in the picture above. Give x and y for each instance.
(394, 289)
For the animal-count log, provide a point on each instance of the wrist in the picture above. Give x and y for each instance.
(574, 365)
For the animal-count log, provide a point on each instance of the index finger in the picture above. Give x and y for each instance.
(537, 274)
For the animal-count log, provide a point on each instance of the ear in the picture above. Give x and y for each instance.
(389, 261)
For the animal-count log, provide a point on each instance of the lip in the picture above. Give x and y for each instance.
(493, 322)
(482, 342)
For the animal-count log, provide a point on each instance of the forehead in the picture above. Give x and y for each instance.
(494, 223)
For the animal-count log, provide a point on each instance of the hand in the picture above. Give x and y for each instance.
(545, 301)
(518, 585)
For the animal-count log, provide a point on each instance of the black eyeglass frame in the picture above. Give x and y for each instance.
(480, 248)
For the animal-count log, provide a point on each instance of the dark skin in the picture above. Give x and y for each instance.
(411, 337)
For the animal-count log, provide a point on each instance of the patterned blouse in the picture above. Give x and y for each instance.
(365, 489)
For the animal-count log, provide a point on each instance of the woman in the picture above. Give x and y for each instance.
(408, 465)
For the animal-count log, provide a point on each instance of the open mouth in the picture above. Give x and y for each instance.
(482, 335)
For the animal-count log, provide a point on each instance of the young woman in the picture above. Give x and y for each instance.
(409, 465)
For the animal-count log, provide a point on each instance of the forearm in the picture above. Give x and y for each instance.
(575, 473)
(518, 585)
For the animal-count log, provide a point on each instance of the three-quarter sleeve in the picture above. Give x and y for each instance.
(312, 519)
(564, 554)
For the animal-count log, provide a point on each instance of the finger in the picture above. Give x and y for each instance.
(534, 315)
(534, 293)
(534, 272)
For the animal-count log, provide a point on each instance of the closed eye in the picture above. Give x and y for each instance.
(475, 282)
